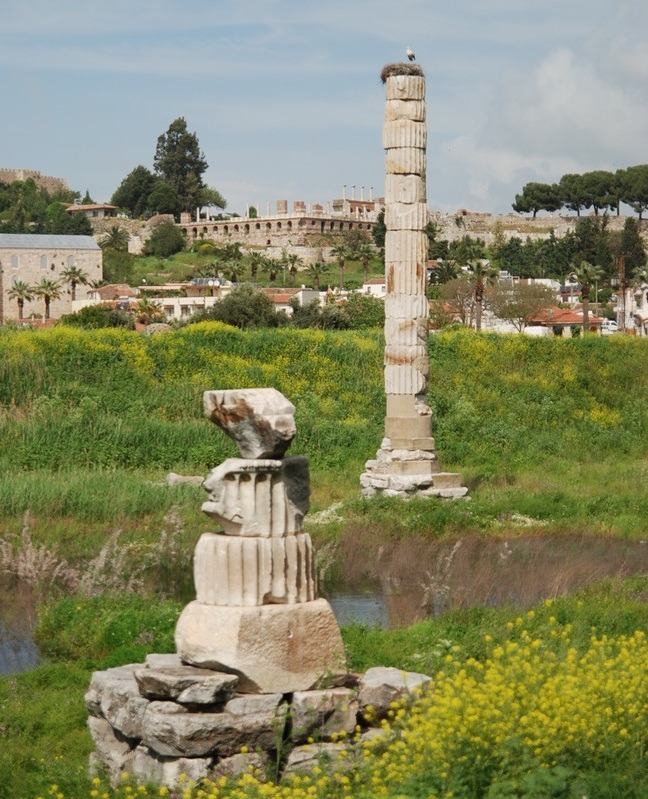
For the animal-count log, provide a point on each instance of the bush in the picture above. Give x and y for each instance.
(365, 311)
(167, 239)
(94, 317)
(118, 266)
(245, 307)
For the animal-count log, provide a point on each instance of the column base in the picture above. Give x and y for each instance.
(271, 648)
(398, 471)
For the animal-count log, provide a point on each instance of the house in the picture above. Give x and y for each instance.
(28, 258)
(562, 321)
(376, 287)
(93, 211)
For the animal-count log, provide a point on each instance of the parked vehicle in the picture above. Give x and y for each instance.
(608, 326)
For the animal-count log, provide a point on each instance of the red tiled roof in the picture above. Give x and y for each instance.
(115, 290)
(564, 316)
(375, 281)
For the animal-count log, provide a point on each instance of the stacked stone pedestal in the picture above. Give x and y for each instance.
(406, 463)
(162, 719)
(256, 635)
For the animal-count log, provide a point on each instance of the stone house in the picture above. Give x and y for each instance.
(29, 258)
(93, 211)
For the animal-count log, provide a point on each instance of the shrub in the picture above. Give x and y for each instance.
(365, 311)
(165, 240)
(94, 317)
(245, 307)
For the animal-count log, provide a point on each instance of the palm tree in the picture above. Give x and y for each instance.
(483, 273)
(340, 253)
(22, 293)
(586, 274)
(271, 266)
(148, 311)
(116, 239)
(317, 270)
(295, 262)
(73, 275)
(446, 271)
(48, 290)
(256, 260)
(365, 253)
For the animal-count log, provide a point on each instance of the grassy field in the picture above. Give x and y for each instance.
(550, 432)
(183, 265)
(519, 708)
(554, 430)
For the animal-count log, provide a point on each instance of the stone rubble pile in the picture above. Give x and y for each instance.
(161, 719)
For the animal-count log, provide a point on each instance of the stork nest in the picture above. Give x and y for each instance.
(400, 68)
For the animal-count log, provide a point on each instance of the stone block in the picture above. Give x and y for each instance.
(114, 694)
(400, 405)
(155, 661)
(305, 758)
(402, 455)
(447, 480)
(254, 571)
(148, 766)
(406, 306)
(186, 684)
(404, 133)
(171, 731)
(426, 444)
(234, 766)
(404, 189)
(403, 356)
(405, 87)
(406, 277)
(111, 748)
(323, 713)
(406, 161)
(410, 427)
(381, 686)
(259, 498)
(410, 482)
(272, 648)
(409, 246)
(406, 216)
(408, 332)
(405, 380)
(260, 420)
(405, 109)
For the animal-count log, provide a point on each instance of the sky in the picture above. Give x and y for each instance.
(286, 100)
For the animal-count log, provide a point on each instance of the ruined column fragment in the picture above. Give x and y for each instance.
(406, 464)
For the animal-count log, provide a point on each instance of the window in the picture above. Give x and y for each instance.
(70, 261)
(15, 262)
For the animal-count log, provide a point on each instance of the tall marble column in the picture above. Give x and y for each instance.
(407, 462)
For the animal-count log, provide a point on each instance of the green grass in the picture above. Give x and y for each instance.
(42, 714)
(556, 430)
(182, 266)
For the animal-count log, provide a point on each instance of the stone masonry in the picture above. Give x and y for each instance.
(259, 682)
(406, 464)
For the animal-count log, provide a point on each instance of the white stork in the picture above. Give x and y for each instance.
(410, 54)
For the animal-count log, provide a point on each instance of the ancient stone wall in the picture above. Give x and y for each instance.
(50, 184)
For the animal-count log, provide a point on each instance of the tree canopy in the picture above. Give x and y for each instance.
(598, 189)
(180, 162)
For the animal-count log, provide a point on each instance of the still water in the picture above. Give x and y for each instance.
(411, 580)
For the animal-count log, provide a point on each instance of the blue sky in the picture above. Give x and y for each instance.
(286, 99)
